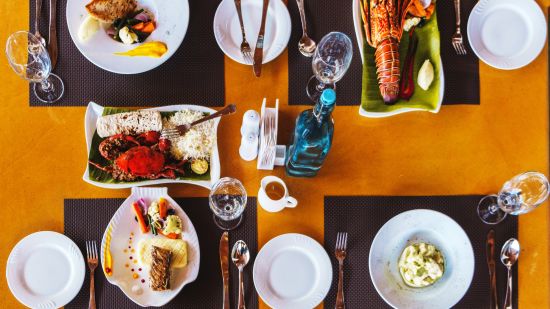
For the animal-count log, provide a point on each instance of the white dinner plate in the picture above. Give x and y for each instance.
(95, 111)
(171, 18)
(227, 28)
(45, 270)
(292, 271)
(421, 225)
(507, 34)
(120, 228)
(358, 26)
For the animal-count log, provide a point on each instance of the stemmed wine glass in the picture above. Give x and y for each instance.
(519, 195)
(227, 201)
(330, 62)
(30, 60)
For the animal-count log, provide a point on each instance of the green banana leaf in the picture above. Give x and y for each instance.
(99, 175)
(428, 48)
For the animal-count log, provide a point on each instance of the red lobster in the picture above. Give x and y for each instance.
(383, 20)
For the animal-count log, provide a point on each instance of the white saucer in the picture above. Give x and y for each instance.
(227, 29)
(45, 270)
(421, 225)
(292, 271)
(507, 34)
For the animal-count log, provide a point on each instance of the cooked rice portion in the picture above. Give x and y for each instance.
(195, 144)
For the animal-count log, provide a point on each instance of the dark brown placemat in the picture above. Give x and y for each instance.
(363, 216)
(86, 219)
(193, 75)
(323, 16)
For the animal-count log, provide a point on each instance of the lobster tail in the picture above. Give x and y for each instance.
(387, 69)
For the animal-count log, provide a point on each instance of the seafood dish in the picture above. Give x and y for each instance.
(384, 22)
(127, 147)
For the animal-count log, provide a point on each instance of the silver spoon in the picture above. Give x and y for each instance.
(509, 255)
(306, 45)
(240, 256)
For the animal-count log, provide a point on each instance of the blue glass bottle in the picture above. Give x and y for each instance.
(312, 137)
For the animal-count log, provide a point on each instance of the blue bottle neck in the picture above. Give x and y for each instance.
(322, 111)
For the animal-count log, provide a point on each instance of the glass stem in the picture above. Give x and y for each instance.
(46, 85)
(320, 86)
(493, 208)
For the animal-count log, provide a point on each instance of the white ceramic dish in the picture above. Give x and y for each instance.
(94, 111)
(358, 25)
(45, 270)
(507, 34)
(171, 17)
(227, 28)
(292, 271)
(121, 225)
(421, 225)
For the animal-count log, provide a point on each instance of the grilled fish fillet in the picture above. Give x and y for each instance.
(109, 10)
(159, 275)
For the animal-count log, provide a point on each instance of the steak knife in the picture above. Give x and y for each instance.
(224, 262)
(259, 51)
(493, 300)
(52, 35)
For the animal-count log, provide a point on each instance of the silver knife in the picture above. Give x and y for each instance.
(259, 51)
(224, 262)
(52, 35)
(493, 299)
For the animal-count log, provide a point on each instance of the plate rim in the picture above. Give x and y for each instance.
(73, 33)
(94, 110)
(290, 243)
(114, 222)
(79, 259)
(483, 5)
(432, 212)
(265, 59)
(360, 43)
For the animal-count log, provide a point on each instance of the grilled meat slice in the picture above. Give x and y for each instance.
(159, 276)
(109, 10)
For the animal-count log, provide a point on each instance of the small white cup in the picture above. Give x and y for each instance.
(275, 205)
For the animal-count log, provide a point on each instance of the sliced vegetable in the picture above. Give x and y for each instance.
(169, 235)
(138, 26)
(152, 225)
(163, 208)
(141, 220)
(148, 27)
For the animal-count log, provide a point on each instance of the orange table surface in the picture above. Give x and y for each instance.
(464, 149)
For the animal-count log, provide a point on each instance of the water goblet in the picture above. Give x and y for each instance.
(521, 194)
(330, 62)
(31, 61)
(227, 201)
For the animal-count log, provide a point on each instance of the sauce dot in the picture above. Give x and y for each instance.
(139, 269)
(131, 257)
(135, 261)
(129, 247)
(133, 251)
(132, 233)
(135, 276)
(125, 250)
(127, 265)
(142, 280)
(132, 269)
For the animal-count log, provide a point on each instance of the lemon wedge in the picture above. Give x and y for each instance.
(425, 75)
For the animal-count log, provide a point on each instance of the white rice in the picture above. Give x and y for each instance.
(195, 144)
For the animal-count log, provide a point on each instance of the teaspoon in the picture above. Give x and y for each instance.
(306, 45)
(240, 256)
(509, 255)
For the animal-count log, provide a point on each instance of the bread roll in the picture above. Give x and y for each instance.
(130, 123)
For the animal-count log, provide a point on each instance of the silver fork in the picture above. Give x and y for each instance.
(245, 47)
(457, 41)
(340, 253)
(91, 255)
(184, 128)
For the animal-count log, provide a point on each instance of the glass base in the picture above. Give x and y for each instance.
(314, 88)
(227, 225)
(50, 91)
(488, 210)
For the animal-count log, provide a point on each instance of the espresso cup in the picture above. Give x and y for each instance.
(273, 195)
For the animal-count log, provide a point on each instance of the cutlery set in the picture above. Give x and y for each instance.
(240, 255)
(508, 256)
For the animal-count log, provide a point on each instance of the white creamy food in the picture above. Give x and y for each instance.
(421, 265)
(195, 144)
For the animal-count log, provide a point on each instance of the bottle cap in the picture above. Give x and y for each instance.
(328, 97)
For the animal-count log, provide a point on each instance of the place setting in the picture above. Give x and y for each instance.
(201, 194)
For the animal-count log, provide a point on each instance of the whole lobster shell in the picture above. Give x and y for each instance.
(383, 20)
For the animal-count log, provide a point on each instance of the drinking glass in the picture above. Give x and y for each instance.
(519, 195)
(30, 60)
(227, 200)
(330, 62)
